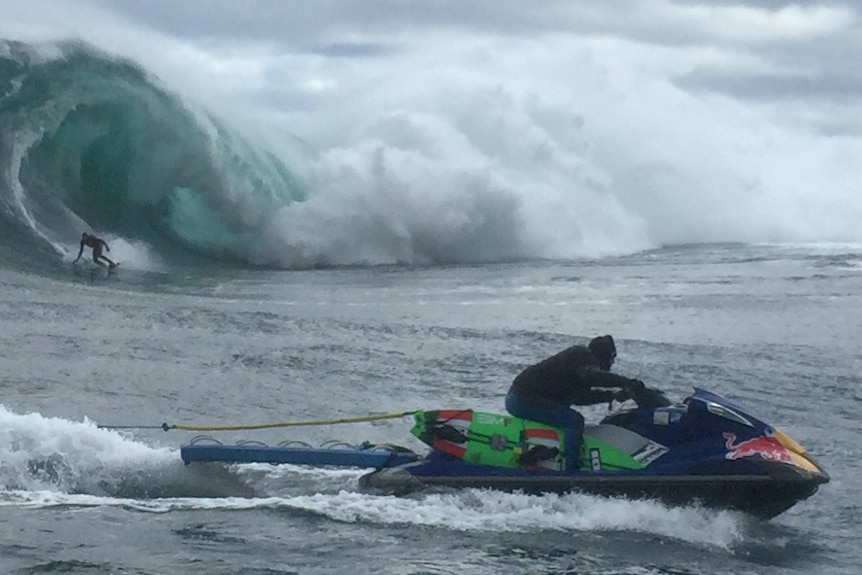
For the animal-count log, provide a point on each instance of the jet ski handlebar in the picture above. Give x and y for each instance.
(645, 397)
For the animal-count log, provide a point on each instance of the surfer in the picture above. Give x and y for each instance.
(579, 375)
(96, 244)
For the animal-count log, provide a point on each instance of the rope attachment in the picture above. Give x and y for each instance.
(184, 427)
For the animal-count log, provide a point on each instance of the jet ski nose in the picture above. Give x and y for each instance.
(800, 458)
(812, 468)
(819, 476)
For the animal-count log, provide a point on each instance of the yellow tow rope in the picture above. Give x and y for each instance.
(183, 427)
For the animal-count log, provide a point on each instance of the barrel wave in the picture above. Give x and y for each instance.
(89, 142)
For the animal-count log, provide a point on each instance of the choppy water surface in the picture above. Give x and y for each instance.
(775, 328)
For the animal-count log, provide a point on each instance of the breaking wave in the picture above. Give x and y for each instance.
(461, 173)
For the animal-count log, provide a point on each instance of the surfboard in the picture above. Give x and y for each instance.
(93, 270)
(489, 438)
(512, 442)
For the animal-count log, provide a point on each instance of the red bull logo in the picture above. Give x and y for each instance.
(765, 447)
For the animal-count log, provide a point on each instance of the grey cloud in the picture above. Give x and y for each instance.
(822, 67)
(770, 87)
(353, 49)
(303, 23)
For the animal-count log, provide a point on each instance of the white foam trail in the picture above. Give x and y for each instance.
(468, 510)
(133, 254)
(46, 453)
(481, 510)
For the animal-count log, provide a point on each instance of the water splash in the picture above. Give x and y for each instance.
(44, 460)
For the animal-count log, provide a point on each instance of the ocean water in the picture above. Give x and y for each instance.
(417, 268)
(772, 327)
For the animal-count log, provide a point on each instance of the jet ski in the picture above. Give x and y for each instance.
(705, 450)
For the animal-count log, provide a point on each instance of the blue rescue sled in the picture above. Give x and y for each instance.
(339, 454)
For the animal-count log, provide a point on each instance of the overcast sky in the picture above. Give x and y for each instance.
(766, 50)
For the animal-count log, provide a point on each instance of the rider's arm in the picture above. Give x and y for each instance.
(595, 396)
(80, 251)
(104, 243)
(600, 378)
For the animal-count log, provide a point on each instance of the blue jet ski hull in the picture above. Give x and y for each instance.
(765, 494)
(713, 453)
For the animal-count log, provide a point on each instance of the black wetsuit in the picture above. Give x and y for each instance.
(97, 244)
(545, 391)
(571, 377)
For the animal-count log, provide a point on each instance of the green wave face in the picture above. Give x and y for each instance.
(90, 142)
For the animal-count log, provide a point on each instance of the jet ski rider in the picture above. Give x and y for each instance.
(579, 375)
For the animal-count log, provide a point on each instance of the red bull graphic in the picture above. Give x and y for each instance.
(766, 447)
